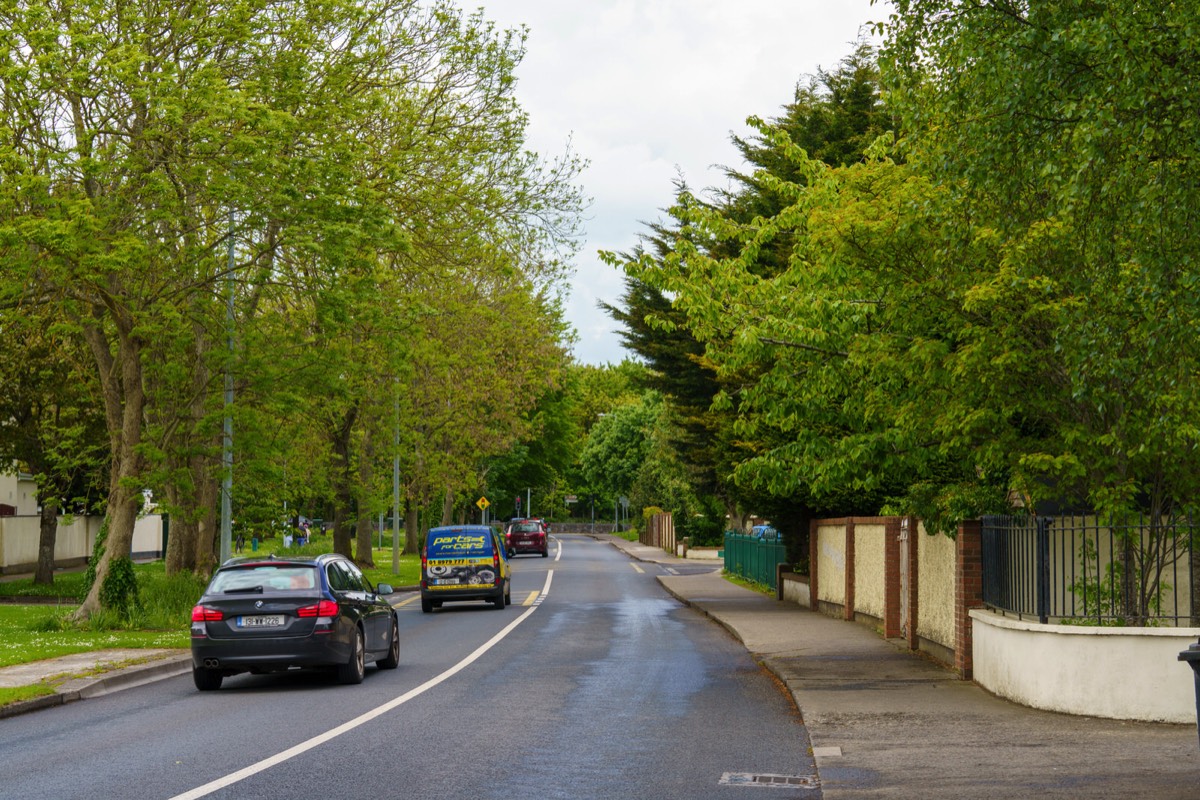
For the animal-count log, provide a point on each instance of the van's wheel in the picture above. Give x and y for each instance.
(206, 680)
(354, 670)
(498, 600)
(426, 606)
(392, 660)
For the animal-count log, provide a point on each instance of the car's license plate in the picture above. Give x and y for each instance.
(447, 582)
(261, 621)
(524, 541)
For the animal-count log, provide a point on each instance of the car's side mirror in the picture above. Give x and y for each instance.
(384, 588)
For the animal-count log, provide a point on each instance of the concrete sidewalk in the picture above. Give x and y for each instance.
(888, 723)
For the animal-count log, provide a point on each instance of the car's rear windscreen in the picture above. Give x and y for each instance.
(265, 578)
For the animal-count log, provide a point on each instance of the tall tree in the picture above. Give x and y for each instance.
(136, 142)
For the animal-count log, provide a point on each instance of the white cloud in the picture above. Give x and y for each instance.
(648, 88)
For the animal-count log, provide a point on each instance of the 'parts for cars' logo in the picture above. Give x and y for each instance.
(459, 542)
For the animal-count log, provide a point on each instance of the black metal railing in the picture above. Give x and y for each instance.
(1131, 571)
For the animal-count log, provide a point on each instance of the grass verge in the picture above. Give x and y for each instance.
(33, 633)
(754, 586)
(16, 694)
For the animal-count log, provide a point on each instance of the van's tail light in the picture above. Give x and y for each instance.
(325, 608)
(496, 566)
(207, 614)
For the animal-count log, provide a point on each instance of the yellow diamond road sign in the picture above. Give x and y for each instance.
(482, 503)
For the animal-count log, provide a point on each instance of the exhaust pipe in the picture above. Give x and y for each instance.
(212, 663)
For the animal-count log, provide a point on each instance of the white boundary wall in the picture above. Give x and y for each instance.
(19, 538)
(1119, 673)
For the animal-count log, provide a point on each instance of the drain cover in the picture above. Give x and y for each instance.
(769, 781)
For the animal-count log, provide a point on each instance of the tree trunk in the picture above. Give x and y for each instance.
(204, 543)
(412, 536)
(179, 544)
(123, 506)
(448, 506)
(343, 483)
(124, 394)
(365, 524)
(44, 574)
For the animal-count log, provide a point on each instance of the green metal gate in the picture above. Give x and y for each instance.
(753, 559)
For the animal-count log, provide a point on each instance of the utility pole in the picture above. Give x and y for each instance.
(227, 438)
(396, 481)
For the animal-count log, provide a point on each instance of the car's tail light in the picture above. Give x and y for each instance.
(207, 614)
(325, 608)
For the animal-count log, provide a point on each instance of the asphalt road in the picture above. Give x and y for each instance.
(593, 684)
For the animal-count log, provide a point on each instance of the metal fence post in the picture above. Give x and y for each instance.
(1043, 569)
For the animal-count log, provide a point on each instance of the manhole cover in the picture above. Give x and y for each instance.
(769, 781)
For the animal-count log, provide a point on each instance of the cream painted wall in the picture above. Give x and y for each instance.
(19, 538)
(21, 493)
(935, 588)
(797, 592)
(831, 563)
(1119, 673)
(869, 569)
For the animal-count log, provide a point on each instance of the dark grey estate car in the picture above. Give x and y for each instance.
(273, 614)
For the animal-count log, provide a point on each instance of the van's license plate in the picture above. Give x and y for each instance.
(261, 621)
(447, 582)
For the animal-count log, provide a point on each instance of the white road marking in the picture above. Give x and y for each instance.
(304, 747)
(637, 568)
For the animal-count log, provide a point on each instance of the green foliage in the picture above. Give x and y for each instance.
(89, 575)
(618, 445)
(648, 514)
(984, 289)
(119, 591)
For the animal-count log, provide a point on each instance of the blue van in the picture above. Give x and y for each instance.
(464, 562)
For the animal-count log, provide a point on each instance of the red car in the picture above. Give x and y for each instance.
(528, 536)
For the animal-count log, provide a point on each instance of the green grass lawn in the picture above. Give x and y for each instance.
(16, 694)
(32, 633)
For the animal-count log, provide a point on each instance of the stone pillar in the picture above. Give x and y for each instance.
(892, 625)
(968, 592)
(848, 611)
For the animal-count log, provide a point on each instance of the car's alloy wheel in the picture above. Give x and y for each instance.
(355, 669)
(393, 657)
(207, 680)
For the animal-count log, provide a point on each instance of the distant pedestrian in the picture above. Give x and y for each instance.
(241, 541)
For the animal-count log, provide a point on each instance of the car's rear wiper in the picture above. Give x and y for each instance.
(244, 590)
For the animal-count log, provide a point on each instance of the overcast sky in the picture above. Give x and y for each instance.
(646, 90)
